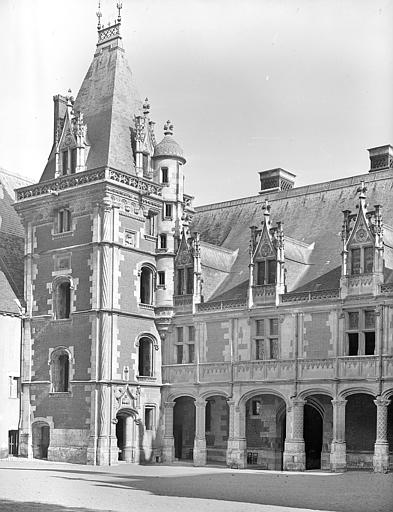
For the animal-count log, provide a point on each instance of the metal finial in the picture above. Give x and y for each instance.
(99, 14)
(266, 206)
(146, 106)
(119, 7)
(168, 128)
(362, 190)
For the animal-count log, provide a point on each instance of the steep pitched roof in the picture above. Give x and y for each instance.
(11, 243)
(311, 214)
(108, 100)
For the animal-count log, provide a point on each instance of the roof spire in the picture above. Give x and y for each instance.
(119, 6)
(146, 107)
(99, 14)
(168, 128)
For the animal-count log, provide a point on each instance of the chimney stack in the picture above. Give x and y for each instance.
(381, 158)
(274, 180)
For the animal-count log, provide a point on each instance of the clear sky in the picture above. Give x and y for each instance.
(306, 85)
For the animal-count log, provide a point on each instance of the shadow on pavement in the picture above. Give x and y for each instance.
(32, 506)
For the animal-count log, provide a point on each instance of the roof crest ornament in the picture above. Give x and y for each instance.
(168, 128)
(146, 107)
(119, 6)
(99, 15)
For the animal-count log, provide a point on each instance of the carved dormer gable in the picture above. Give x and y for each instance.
(362, 254)
(71, 143)
(127, 397)
(184, 267)
(144, 141)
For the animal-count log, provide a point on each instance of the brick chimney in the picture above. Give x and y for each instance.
(381, 158)
(276, 179)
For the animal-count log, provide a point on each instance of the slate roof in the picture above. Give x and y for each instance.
(108, 99)
(311, 215)
(170, 148)
(11, 244)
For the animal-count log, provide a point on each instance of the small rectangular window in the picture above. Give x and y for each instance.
(180, 281)
(13, 387)
(259, 349)
(149, 418)
(191, 353)
(163, 241)
(353, 320)
(256, 407)
(73, 161)
(261, 273)
(369, 319)
(190, 281)
(191, 333)
(368, 260)
(161, 278)
(179, 354)
(164, 175)
(271, 270)
(273, 324)
(369, 343)
(355, 261)
(64, 162)
(353, 343)
(150, 225)
(273, 348)
(64, 221)
(168, 211)
(179, 334)
(260, 327)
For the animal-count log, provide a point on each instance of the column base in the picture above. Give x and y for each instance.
(381, 457)
(102, 451)
(237, 453)
(294, 457)
(168, 450)
(338, 456)
(200, 454)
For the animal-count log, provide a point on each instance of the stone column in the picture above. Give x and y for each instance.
(168, 449)
(237, 445)
(128, 447)
(200, 434)
(381, 447)
(294, 453)
(105, 338)
(338, 451)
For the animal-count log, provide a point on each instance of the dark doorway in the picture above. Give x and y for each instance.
(120, 436)
(184, 427)
(13, 442)
(41, 439)
(313, 431)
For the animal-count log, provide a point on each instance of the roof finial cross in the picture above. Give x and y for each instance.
(168, 128)
(99, 15)
(119, 6)
(362, 190)
(266, 207)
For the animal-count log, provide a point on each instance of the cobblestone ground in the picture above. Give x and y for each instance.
(39, 486)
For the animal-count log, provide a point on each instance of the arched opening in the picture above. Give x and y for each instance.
(312, 436)
(126, 436)
(145, 357)
(184, 427)
(216, 428)
(146, 286)
(40, 440)
(265, 431)
(60, 371)
(360, 430)
(63, 300)
(318, 431)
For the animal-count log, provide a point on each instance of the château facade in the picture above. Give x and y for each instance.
(256, 332)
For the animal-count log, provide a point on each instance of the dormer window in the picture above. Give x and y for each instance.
(362, 260)
(266, 272)
(64, 162)
(68, 161)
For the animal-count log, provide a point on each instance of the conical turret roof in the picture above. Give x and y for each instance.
(108, 100)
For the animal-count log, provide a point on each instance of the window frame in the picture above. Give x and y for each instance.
(265, 338)
(263, 272)
(361, 331)
(54, 362)
(363, 260)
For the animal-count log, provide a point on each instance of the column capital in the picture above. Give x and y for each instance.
(339, 402)
(200, 402)
(380, 401)
(297, 402)
(169, 405)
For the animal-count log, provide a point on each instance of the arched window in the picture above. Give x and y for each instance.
(62, 299)
(60, 371)
(145, 360)
(146, 286)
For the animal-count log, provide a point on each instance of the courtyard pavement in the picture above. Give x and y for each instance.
(41, 486)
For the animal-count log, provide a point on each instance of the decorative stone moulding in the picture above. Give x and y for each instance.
(79, 179)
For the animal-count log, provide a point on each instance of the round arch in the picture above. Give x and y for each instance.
(315, 391)
(174, 396)
(214, 392)
(388, 394)
(345, 393)
(148, 335)
(263, 391)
